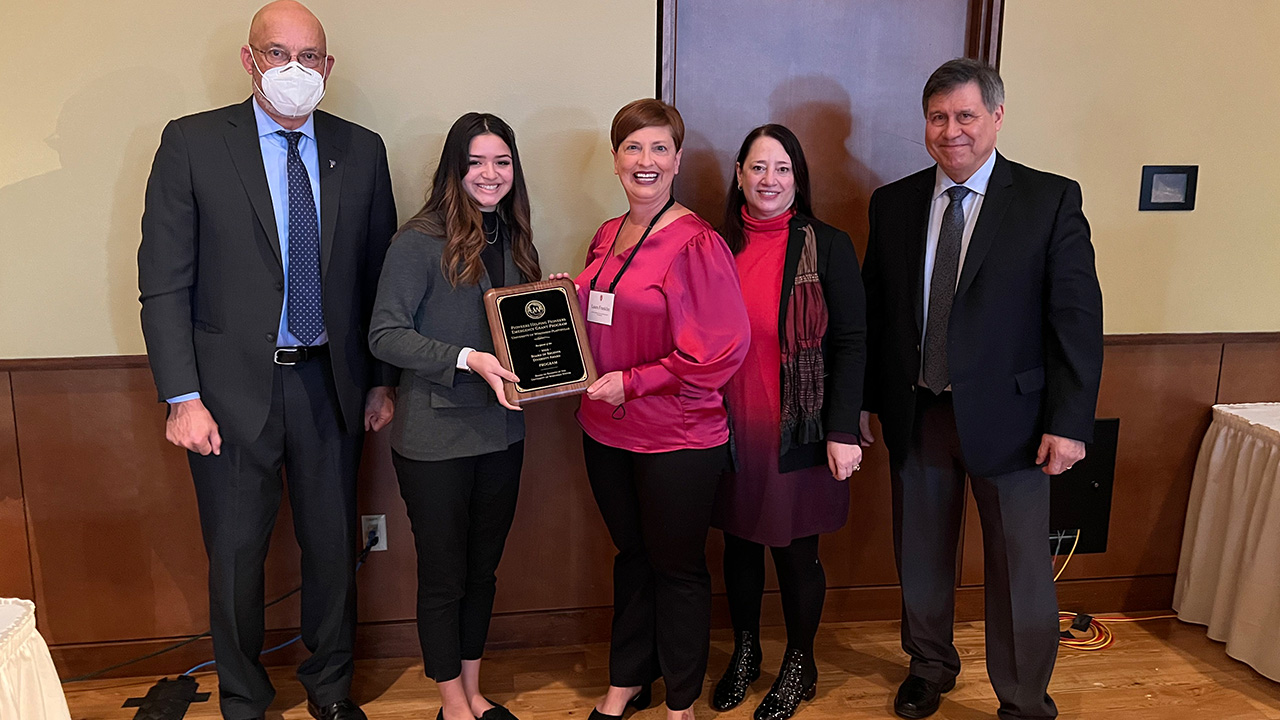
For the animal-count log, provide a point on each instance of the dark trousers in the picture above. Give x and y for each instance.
(461, 511)
(238, 493)
(801, 582)
(1021, 604)
(657, 507)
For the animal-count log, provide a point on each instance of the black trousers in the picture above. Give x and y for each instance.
(801, 582)
(238, 493)
(461, 511)
(657, 507)
(1021, 604)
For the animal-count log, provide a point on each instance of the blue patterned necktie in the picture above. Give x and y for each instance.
(306, 314)
(942, 291)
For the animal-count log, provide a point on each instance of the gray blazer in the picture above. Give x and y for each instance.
(420, 323)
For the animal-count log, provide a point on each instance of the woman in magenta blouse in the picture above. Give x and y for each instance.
(668, 328)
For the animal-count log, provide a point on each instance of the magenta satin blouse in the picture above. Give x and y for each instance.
(679, 333)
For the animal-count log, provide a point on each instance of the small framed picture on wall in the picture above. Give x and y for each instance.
(1168, 187)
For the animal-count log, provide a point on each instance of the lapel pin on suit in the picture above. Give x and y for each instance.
(332, 163)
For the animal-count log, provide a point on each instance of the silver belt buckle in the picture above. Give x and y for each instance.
(282, 362)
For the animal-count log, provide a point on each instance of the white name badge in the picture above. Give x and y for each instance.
(600, 307)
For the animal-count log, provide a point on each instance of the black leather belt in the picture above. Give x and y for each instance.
(295, 355)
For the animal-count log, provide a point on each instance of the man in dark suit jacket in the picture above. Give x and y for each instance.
(984, 321)
(262, 240)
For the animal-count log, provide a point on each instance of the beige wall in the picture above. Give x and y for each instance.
(85, 88)
(1099, 88)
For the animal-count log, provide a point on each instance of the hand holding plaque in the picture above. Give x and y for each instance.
(539, 335)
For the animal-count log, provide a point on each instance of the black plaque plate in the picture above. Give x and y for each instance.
(538, 334)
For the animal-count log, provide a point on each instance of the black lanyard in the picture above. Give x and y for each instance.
(625, 265)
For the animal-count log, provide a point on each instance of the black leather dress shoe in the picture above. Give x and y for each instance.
(639, 702)
(797, 681)
(918, 698)
(344, 709)
(744, 669)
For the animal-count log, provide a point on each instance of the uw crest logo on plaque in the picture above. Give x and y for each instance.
(538, 334)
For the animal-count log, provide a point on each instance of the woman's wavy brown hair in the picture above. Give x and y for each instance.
(452, 214)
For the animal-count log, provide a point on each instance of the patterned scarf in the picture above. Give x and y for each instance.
(802, 365)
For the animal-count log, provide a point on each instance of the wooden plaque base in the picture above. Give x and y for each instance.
(539, 334)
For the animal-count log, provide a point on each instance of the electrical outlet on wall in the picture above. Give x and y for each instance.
(376, 524)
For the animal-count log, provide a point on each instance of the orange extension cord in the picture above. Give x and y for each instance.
(1100, 637)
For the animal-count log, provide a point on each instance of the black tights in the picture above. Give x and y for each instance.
(801, 581)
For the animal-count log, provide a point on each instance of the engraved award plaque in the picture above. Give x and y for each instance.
(539, 334)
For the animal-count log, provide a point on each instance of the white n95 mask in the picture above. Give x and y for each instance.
(293, 90)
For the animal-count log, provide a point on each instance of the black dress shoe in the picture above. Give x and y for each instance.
(497, 712)
(797, 681)
(919, 698)
(744, 669)
(344, 709)
(639, 702)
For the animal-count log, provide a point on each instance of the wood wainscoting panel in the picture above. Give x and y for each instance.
(115, 535)
(15, 556)
(1250, 372)
(1162, 394)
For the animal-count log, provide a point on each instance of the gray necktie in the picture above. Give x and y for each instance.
(942, 291)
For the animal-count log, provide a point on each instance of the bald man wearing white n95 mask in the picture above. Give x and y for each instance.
(263, 237)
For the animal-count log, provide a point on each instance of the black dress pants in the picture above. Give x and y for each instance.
(657, 507)
(461, 511)
(801, 582)
(1021, 603)
(238, 493)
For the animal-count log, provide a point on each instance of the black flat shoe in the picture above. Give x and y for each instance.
(639, 702)
(497, 712)
(919, 698)
(797, 681)
(744, 669)
(344, 709)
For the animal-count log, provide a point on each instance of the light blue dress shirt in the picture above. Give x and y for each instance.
(275, 155)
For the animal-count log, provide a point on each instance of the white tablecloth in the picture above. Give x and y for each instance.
(1229, 572)
(29, 686)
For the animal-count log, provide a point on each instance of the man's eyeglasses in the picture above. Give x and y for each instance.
(277, 57)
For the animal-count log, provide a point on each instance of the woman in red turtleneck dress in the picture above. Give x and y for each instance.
(793, 410)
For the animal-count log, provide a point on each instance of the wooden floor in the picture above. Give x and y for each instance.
(1155, 670)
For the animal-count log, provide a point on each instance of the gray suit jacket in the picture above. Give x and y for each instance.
(420, 323)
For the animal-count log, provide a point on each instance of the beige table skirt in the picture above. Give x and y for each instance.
(29, 686)
(1229, 572)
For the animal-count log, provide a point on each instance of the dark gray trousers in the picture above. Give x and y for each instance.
(238, 493)
(1021, 604)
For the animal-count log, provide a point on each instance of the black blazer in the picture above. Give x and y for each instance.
(211, 276)
(1024, 345)
(843, 347)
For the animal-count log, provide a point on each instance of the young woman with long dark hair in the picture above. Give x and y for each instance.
(457, 445)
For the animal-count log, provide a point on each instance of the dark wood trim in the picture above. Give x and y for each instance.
(86, 362)
(1211, 338)
(986, 21)
(589, 625)
(667, 51)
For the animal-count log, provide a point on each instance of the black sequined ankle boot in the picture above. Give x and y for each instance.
(744, 668)
(797, 681)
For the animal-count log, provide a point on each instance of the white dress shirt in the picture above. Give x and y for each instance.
(972, 205)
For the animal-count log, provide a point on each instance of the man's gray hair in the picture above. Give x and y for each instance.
(962, 71)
